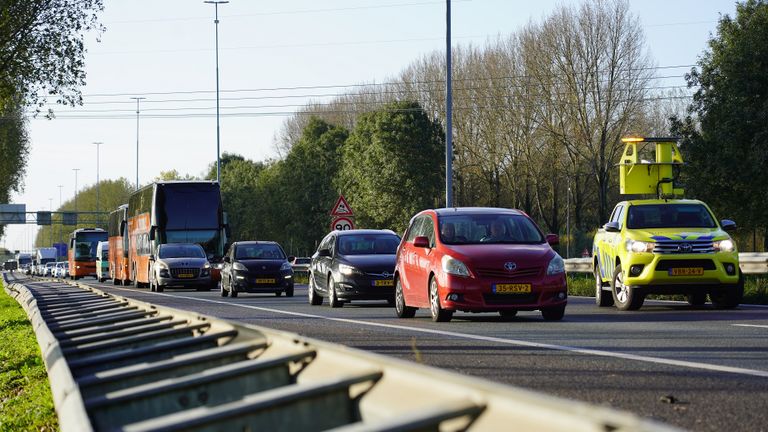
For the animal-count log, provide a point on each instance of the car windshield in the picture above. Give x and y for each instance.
(180, 251)
(669, 216)
(488, 228)
(368, 244)
(264, 251)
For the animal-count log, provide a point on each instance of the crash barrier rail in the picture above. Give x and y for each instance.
(119, 364)
(749, 262)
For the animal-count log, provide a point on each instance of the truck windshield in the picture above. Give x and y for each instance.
(669, 216)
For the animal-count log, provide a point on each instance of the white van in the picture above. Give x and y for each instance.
(102, 261)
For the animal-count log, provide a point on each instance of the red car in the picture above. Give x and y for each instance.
(478, 260)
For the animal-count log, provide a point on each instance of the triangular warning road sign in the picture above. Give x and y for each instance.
(341, 208)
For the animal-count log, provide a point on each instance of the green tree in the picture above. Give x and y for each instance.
(225, 158)
(14, 147)
(112, 194)
(726, 150)
(393, 165)
(240, 197)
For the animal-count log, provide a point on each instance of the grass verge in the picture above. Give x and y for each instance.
(755, 288)
(25, 393)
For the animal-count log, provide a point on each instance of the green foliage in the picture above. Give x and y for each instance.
(727, 152)
(112, 194)
(25, 395)
(239, 189)
(42, 48)
(393, 166)
(173, 175)
(225, 159)
(14, 147)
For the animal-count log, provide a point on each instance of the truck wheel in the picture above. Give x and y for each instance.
(624, 296)
(728, 297)
(696, 299)
(602, 298)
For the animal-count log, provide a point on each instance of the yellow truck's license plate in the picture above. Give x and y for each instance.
(265, 281)
(185, 275)
(384, 282)
(512, 288)
(686, 271)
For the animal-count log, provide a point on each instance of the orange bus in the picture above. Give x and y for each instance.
(82, 251)
(117, 229)
(174, 212)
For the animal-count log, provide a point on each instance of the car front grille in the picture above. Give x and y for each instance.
(665, 265)
(502, 273)
(683, 247)
(175, 272)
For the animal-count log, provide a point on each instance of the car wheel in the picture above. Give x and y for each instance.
(696, 299)
(624, 296)
(312, 295)
(508, 314)
(224, 293)
(728, 297)
(289, 291)
(553, 313)
(438, 313)
(401, 308)
(601, 297)
(232, 290)
(152, 286)
(278, 293)
(333, 300)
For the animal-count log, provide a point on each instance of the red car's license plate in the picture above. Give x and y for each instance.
(512, 288)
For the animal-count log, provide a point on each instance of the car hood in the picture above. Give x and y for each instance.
(371, 263)
(262, 265)
(184, 262)
(496, 255)
(677, 234)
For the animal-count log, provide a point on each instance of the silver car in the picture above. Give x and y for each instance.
(180, 265)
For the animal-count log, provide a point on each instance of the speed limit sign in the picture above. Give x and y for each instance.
(342, 224)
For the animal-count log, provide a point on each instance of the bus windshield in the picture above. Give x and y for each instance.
(189, 207)
(86, 243)
(208, 239)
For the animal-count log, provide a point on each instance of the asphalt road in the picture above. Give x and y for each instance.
(693, 367)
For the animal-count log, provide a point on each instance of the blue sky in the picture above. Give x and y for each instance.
(164, 51)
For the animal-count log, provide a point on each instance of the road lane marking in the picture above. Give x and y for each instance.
(750, 325)
(516, 342)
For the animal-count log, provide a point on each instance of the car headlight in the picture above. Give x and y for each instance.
(207, 265)
(162, 265)
(238, 266)
(347, 269)
(286, 266)
(726, 245)
(556, 265)
(639, 246)
(453, 266)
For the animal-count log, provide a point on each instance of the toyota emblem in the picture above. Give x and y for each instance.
(510, 266)
(685, 248)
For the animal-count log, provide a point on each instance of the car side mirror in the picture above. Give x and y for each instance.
(421, 242)
(728, 225)
(553, 239)
(291, 258)
(227, 259)
(612, 227)
(152, 233)
(324, 252)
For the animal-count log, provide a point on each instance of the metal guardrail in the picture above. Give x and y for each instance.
(749, 262)
(119, 364)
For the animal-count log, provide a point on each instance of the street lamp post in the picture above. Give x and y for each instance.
(61, 222)
(75, 170)
(98, 186)
(50, 232)
(218, 130)
(448, 111)
(138, 99)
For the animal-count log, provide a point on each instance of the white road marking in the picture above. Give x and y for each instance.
(601, 353)
(750, 325)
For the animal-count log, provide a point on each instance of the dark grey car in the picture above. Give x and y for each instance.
(256, 267)
(354, 265)
(180, 265)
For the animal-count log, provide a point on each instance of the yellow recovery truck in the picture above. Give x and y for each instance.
(666, 245)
